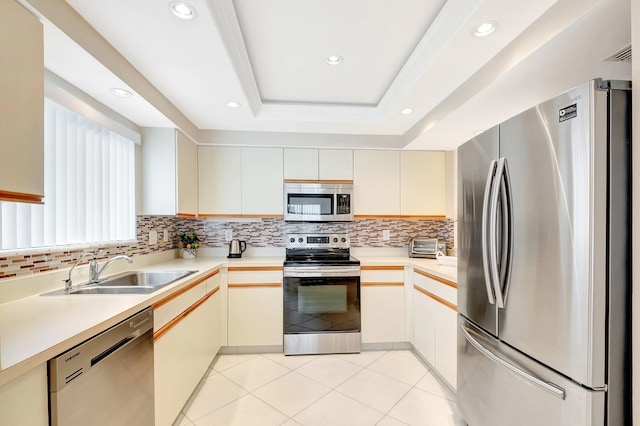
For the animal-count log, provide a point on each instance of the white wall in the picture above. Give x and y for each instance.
(635, 224)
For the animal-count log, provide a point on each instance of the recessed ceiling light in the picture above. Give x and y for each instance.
(485, 29)
(334, 59)
(233, 104)
(122, 93)
(406, 111)
(183, 10)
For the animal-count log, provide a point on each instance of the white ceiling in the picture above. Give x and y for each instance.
(269, 55)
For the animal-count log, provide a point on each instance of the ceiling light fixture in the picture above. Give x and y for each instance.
(485, 29)
(183, 10)
(334, 59)
(406, 111)
(233, 104)
(122, 93)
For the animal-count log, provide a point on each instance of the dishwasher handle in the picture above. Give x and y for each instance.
(78, 360)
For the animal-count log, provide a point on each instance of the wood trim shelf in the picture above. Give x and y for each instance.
(186, 215)
(255, 285)
(184, 289)
(336, 181)
(241, 216)
(436, 298)
(175, 321)
(395, 216)
(382, 268)
(382, 284)
(437, 278)
(253, 268)
(21, 197)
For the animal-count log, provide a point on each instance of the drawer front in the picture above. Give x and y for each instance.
(377, 274)
(444, 289)
(255, 275)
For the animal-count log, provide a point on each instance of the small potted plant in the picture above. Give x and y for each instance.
(189, 242)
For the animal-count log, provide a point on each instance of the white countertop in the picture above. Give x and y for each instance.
(36, 328)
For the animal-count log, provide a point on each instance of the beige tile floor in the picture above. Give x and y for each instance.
(372, 388)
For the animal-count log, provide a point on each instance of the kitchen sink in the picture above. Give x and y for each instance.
(132, 282)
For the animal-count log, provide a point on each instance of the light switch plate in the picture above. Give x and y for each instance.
(153, 237)
(165, 236)
(228, 234)
(386, 235)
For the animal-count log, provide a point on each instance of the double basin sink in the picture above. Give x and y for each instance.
(132, 282)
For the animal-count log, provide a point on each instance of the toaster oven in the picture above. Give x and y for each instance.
(426, 247)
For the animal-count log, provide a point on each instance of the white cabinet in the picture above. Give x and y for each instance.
(434, 322)
(21, 105)
(240, 182)
(382, 304)
(186, 339)
(262, 182)
(24, 400)
(169, 173)
(376, 180)
(219, 180)
(255, 312)
(423, 189)
(318, 164)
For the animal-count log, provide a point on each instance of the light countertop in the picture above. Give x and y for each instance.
(36, 328)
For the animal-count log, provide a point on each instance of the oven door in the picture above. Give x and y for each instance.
(321, 310)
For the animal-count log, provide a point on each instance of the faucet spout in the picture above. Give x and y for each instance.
(93, 268)
(95, 278)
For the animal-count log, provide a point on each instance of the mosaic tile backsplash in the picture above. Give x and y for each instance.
(260, 233)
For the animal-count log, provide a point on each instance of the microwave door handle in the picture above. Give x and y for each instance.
(493, 233)
(507, 236)
(485, 237)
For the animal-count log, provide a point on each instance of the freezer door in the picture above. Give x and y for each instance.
(556, 307)
(475, 296)
(499, 386)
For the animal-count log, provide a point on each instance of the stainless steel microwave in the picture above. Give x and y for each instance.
(318, 202)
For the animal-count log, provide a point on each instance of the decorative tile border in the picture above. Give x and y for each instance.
(257, 233)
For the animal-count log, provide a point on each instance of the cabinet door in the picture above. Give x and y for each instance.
(376, 180)
(423, 183)
(262, 181)
(335, 164)
(187, 176)
(255, 315)
(24, 400)
(382, 304)
(219, 180)
(301, 164)
(159, 171)
(446, 343)
(424, 318)
(21, 105)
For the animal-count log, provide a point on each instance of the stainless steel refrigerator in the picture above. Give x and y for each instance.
(543, 264)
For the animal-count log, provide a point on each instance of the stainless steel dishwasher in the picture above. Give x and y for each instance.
(106, 380)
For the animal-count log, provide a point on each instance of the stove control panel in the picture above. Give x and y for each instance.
(317, 241)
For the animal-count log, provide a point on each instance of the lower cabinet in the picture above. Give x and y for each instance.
(254, 303)
(24, 400)
(434, 323)
(186, 339)
(382, 304)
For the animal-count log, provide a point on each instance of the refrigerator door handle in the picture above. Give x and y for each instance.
(485, 231)
(553, 389)
(502, 286)
(493, 232)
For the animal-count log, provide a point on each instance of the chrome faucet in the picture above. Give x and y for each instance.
(95, 275)
(93, 268)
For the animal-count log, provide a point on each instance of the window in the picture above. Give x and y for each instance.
(89, 194)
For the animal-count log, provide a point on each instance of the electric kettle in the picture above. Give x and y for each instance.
(236, 248)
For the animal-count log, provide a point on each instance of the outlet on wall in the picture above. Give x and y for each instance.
(153, 237)
(228, 234)
(386, 235)
(165, 236)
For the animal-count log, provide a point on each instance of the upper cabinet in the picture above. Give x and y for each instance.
(21, 105)
(240, 182)
(318, 164)
(169, 173)
(376, 181)
(423, 189)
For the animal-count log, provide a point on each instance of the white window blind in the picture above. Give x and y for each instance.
(89, 193)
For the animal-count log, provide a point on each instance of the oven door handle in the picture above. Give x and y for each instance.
(324, 272)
